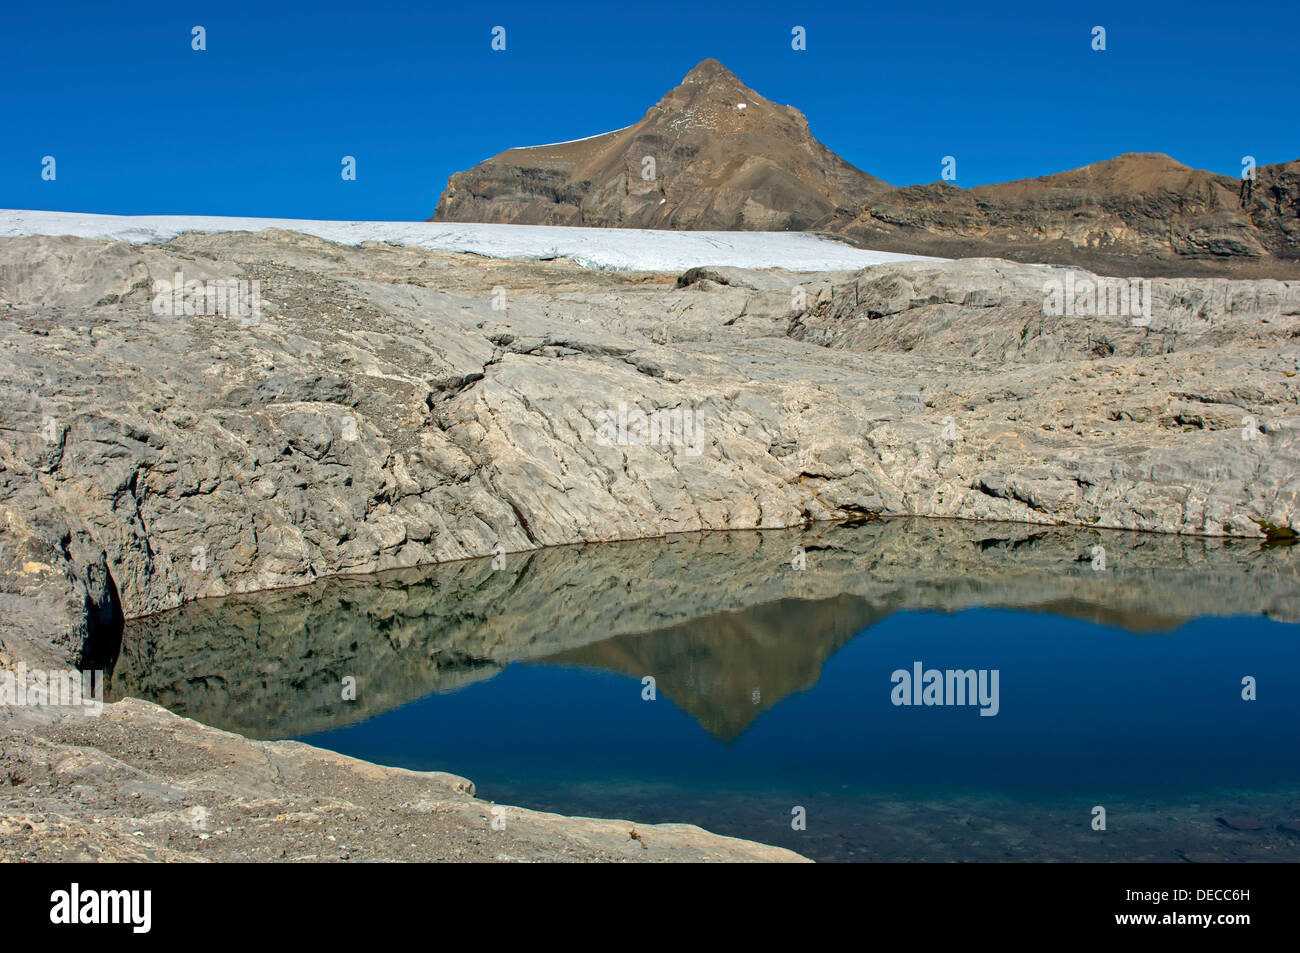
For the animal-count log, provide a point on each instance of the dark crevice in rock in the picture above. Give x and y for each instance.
(104, 626)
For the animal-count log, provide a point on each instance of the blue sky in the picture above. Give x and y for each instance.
(258, 123)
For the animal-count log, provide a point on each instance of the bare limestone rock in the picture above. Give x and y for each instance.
(384, 414)
(140, 784)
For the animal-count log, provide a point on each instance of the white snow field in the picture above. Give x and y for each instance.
(611, 249)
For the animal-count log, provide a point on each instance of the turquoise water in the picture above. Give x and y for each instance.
(774, 690)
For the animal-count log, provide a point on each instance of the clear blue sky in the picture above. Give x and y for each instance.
(257, 124)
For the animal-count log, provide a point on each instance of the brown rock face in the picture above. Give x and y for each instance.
(712, 154)
(1140, 210)
(698, 160)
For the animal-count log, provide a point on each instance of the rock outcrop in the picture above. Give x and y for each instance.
(139, 784)
(396, 407)
(1140, 213)
(723, 157)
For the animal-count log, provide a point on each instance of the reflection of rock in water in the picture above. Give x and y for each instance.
(713, 616)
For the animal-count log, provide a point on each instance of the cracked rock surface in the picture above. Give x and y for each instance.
(395, 407)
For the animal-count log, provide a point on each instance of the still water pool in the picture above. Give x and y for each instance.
(702, 679)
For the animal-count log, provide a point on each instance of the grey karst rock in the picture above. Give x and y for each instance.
(383, 414)
(140, 784)
(720, 166)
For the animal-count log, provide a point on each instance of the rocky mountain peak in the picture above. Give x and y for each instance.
(711, 80)
(709, 72)
(711, 154)
(712, 100)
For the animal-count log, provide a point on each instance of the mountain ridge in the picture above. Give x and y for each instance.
(714, 154)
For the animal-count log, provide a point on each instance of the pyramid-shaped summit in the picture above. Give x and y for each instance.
(710, 70)
(711, 154)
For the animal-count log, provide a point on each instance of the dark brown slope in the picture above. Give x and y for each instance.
(1141, 212)
(719, 166)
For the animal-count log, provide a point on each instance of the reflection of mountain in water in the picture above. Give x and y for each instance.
(712, 616)
(712, 667)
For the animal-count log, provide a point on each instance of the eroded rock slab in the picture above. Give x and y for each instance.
(395, 407)
(140, 784)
